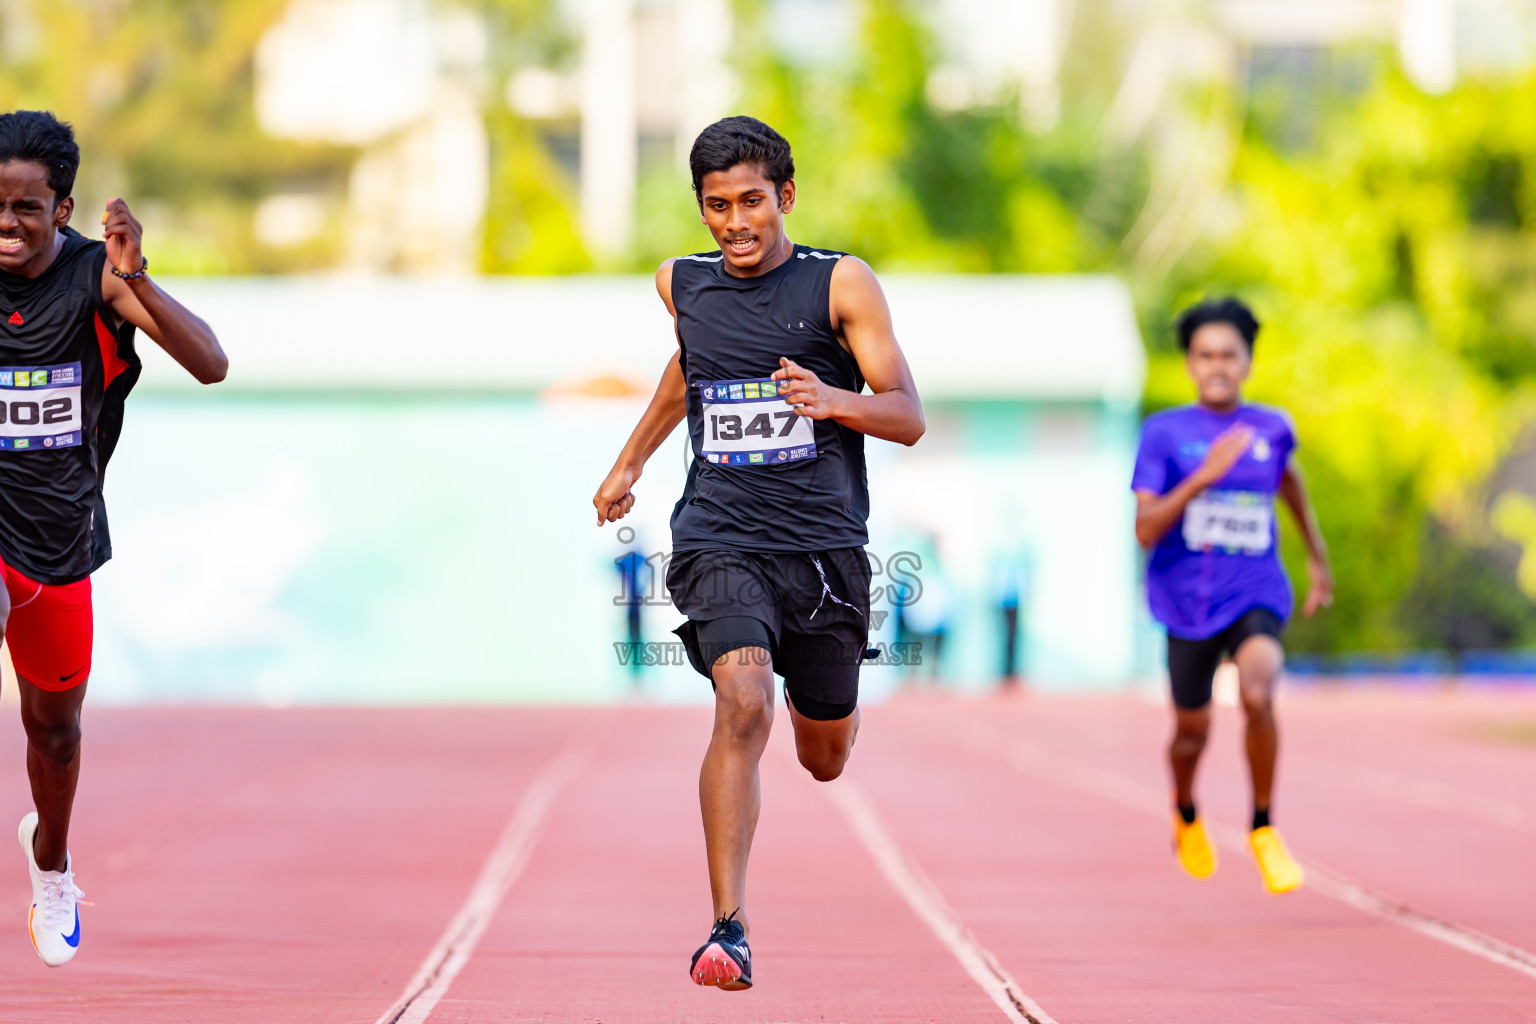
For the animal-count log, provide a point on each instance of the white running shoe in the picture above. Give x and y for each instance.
(54, 920)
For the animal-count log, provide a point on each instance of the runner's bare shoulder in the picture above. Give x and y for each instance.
(664, 283)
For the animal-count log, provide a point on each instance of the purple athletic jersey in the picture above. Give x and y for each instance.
(1221, 559)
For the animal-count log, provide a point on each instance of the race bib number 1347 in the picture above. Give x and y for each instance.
(746, 423)
(39, 407)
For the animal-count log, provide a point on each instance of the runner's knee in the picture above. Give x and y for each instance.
(1190, 732)
(826, 762)
(58, 740)
(1258, 701)
(1260, 657)
(826, 769)
(743, 709)
(746, 723)
(1258, 669)
(824, 732)
(1188, 744)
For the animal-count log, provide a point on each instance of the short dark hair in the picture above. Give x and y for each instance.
(740, 140)
(36, 136)
(1229, 310)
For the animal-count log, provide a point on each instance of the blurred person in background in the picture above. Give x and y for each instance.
(1010, 592)
(67, 362)
(924, 620)
(776, 344)
(1205, 480)
(636, 578)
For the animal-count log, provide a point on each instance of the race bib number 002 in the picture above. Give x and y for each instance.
(746, 423)
(1241, 521)
(40, 407)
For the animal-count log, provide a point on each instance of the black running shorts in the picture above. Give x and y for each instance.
(1192, 664)
(810, 611)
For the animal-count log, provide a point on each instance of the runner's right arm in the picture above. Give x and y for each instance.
(668, 406)
(1156, 514)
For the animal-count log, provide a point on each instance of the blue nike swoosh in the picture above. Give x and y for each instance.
(74, 940)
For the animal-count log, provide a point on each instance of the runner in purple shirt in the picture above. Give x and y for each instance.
(1206, 478)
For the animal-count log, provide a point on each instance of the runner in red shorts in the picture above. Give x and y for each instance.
(69, 307)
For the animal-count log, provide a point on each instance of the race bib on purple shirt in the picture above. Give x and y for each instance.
(1237, 522)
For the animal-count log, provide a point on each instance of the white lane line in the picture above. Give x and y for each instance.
(506, 862)
(923, 897)
(1347, 890)
(1029, 759)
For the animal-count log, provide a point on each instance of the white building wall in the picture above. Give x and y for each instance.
(609, 127)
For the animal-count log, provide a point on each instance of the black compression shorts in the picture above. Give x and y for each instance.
(810, 612)
(1192, 664)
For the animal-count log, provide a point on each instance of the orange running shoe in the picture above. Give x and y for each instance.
(1280, 870)
(1193, 847)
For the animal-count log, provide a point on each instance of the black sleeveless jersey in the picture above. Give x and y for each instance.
(65, 369)
(736, 329)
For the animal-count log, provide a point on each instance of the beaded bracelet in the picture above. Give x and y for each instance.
(136, 274)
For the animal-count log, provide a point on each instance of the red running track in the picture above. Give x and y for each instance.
(304, 865)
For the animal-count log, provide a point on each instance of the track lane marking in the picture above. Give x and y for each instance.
(1347, 890)
(1030, 759)
(501, 869)
(920, 894)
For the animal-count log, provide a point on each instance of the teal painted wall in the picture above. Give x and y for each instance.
(356, 548)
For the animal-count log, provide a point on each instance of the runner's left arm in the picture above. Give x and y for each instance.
(861, 317)
(1293, 491)
(143, 303)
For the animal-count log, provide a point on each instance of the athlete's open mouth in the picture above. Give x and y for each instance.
(11, 244)
(740, 245)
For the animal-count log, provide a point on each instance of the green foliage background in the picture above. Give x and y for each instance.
(1384, 236)
(161, 96)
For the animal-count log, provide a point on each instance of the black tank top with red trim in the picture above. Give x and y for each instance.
(65, 369)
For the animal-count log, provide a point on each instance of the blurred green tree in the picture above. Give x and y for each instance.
(161, 94)
(886, 173)
(531, 219)
(1384, 235)
(1389, 250)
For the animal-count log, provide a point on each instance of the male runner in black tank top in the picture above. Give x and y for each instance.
(68, 310)
(775, 345)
